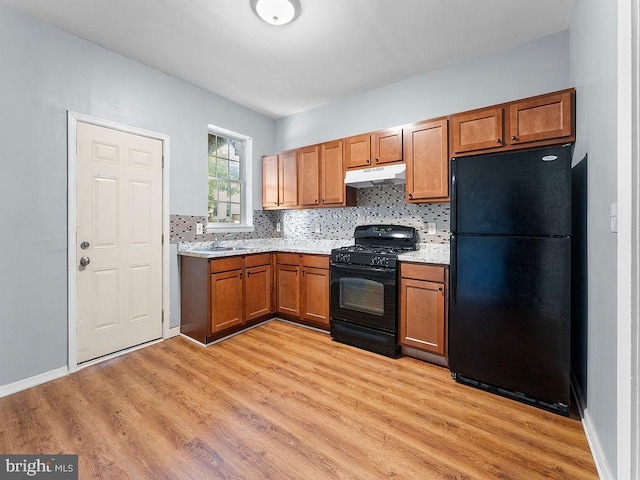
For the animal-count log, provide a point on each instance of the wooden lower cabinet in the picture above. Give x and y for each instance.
(423, 301)
(213, 294)
(315, 289)
(302, 283)
(226, 300)
(288, 288)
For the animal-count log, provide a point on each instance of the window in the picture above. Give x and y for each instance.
(229, 167)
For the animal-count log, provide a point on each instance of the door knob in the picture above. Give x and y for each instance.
(84, 261)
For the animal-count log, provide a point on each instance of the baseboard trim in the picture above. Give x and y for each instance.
(20, 385)
(597, 452)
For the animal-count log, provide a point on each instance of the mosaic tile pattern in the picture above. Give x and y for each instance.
(183, 228)
(381, 204)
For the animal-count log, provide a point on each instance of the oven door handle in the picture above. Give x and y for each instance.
(362, 268)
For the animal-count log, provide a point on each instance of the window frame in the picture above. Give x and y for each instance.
(246, 176)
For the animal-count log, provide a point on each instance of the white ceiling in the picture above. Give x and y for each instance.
(334, 50)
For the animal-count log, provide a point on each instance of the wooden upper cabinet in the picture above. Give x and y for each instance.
(377, 148)
(270, 181)
(357, 151)
(279, 180)
(477, 130)
(332, 186)
(531, 122)
(288, 179)
(386, 146)
(309, 176)
(541, 118)
(426, 154)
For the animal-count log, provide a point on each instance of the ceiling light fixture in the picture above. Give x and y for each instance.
(276, 12)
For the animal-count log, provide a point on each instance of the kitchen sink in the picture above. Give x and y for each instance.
(220, 249)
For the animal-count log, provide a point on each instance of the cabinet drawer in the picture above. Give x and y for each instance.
(226, 264)
(429, 273)
(257, 259)
(318, 261)
(288, 258)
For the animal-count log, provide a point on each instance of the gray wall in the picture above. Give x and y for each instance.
(534, 68)
(593, 72)
(46, 72)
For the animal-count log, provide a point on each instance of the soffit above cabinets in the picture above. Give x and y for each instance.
(334, 50)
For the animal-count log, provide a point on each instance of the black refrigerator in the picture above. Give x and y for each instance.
(510, 275)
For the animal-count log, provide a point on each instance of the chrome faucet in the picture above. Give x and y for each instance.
(216, 240)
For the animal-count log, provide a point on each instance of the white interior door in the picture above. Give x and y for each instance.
(119, 238)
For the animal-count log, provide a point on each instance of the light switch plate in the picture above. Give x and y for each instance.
(431, 228)
(278, 227)
(614, 217)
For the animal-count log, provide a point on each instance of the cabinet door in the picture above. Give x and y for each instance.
(544, 118)
(332, 174)
(386, 146)
(288, 287)
(422, 315)
(309, 176)
(315, 295)
(427, 158)
(270, 181)
(288, 179)
(357, 151)
(258, 292)
(477, 130)
(226, 300)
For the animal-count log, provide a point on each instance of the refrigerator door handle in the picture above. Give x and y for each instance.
(452, 189)
(453, 268)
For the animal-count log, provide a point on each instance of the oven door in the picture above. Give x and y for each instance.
(364, 296)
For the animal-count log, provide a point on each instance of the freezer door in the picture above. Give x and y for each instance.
(509, 318)
(523, 193)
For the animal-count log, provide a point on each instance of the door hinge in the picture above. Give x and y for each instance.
(162, 239)
(162, 317)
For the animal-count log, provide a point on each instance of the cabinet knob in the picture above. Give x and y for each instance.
(368, 161)
(514, 138)
(498, 141)
(248, 274)
(411, 196)
(376, 159)
(316, 201)
(323, 201)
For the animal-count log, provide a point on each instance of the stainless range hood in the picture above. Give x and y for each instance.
(369, 177)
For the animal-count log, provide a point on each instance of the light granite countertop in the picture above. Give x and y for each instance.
(426, 253)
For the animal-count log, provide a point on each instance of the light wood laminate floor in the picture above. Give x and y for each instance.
(284, 402)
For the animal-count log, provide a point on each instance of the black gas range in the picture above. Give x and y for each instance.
(363, 300)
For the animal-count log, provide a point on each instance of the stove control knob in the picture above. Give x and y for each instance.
(343, 257)
(381, 261)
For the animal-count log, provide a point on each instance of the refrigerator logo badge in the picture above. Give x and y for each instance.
(549, 158)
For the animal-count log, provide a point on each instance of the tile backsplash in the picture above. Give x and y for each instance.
(380, 204)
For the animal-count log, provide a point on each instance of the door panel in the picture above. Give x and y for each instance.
(515, 193)
(119, 213)
(509, 319)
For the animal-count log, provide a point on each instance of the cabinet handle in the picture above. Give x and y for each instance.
(323, 201)
(376, 159)
(368, 161)
(411, 196)
(241, 275)
(514, 138)
(498, 141)
(316, 201)
(248, 274)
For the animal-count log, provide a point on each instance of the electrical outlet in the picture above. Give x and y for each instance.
(431, 228)
(278, 227)
(318, 228)
(614, 217)
(199, 228)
